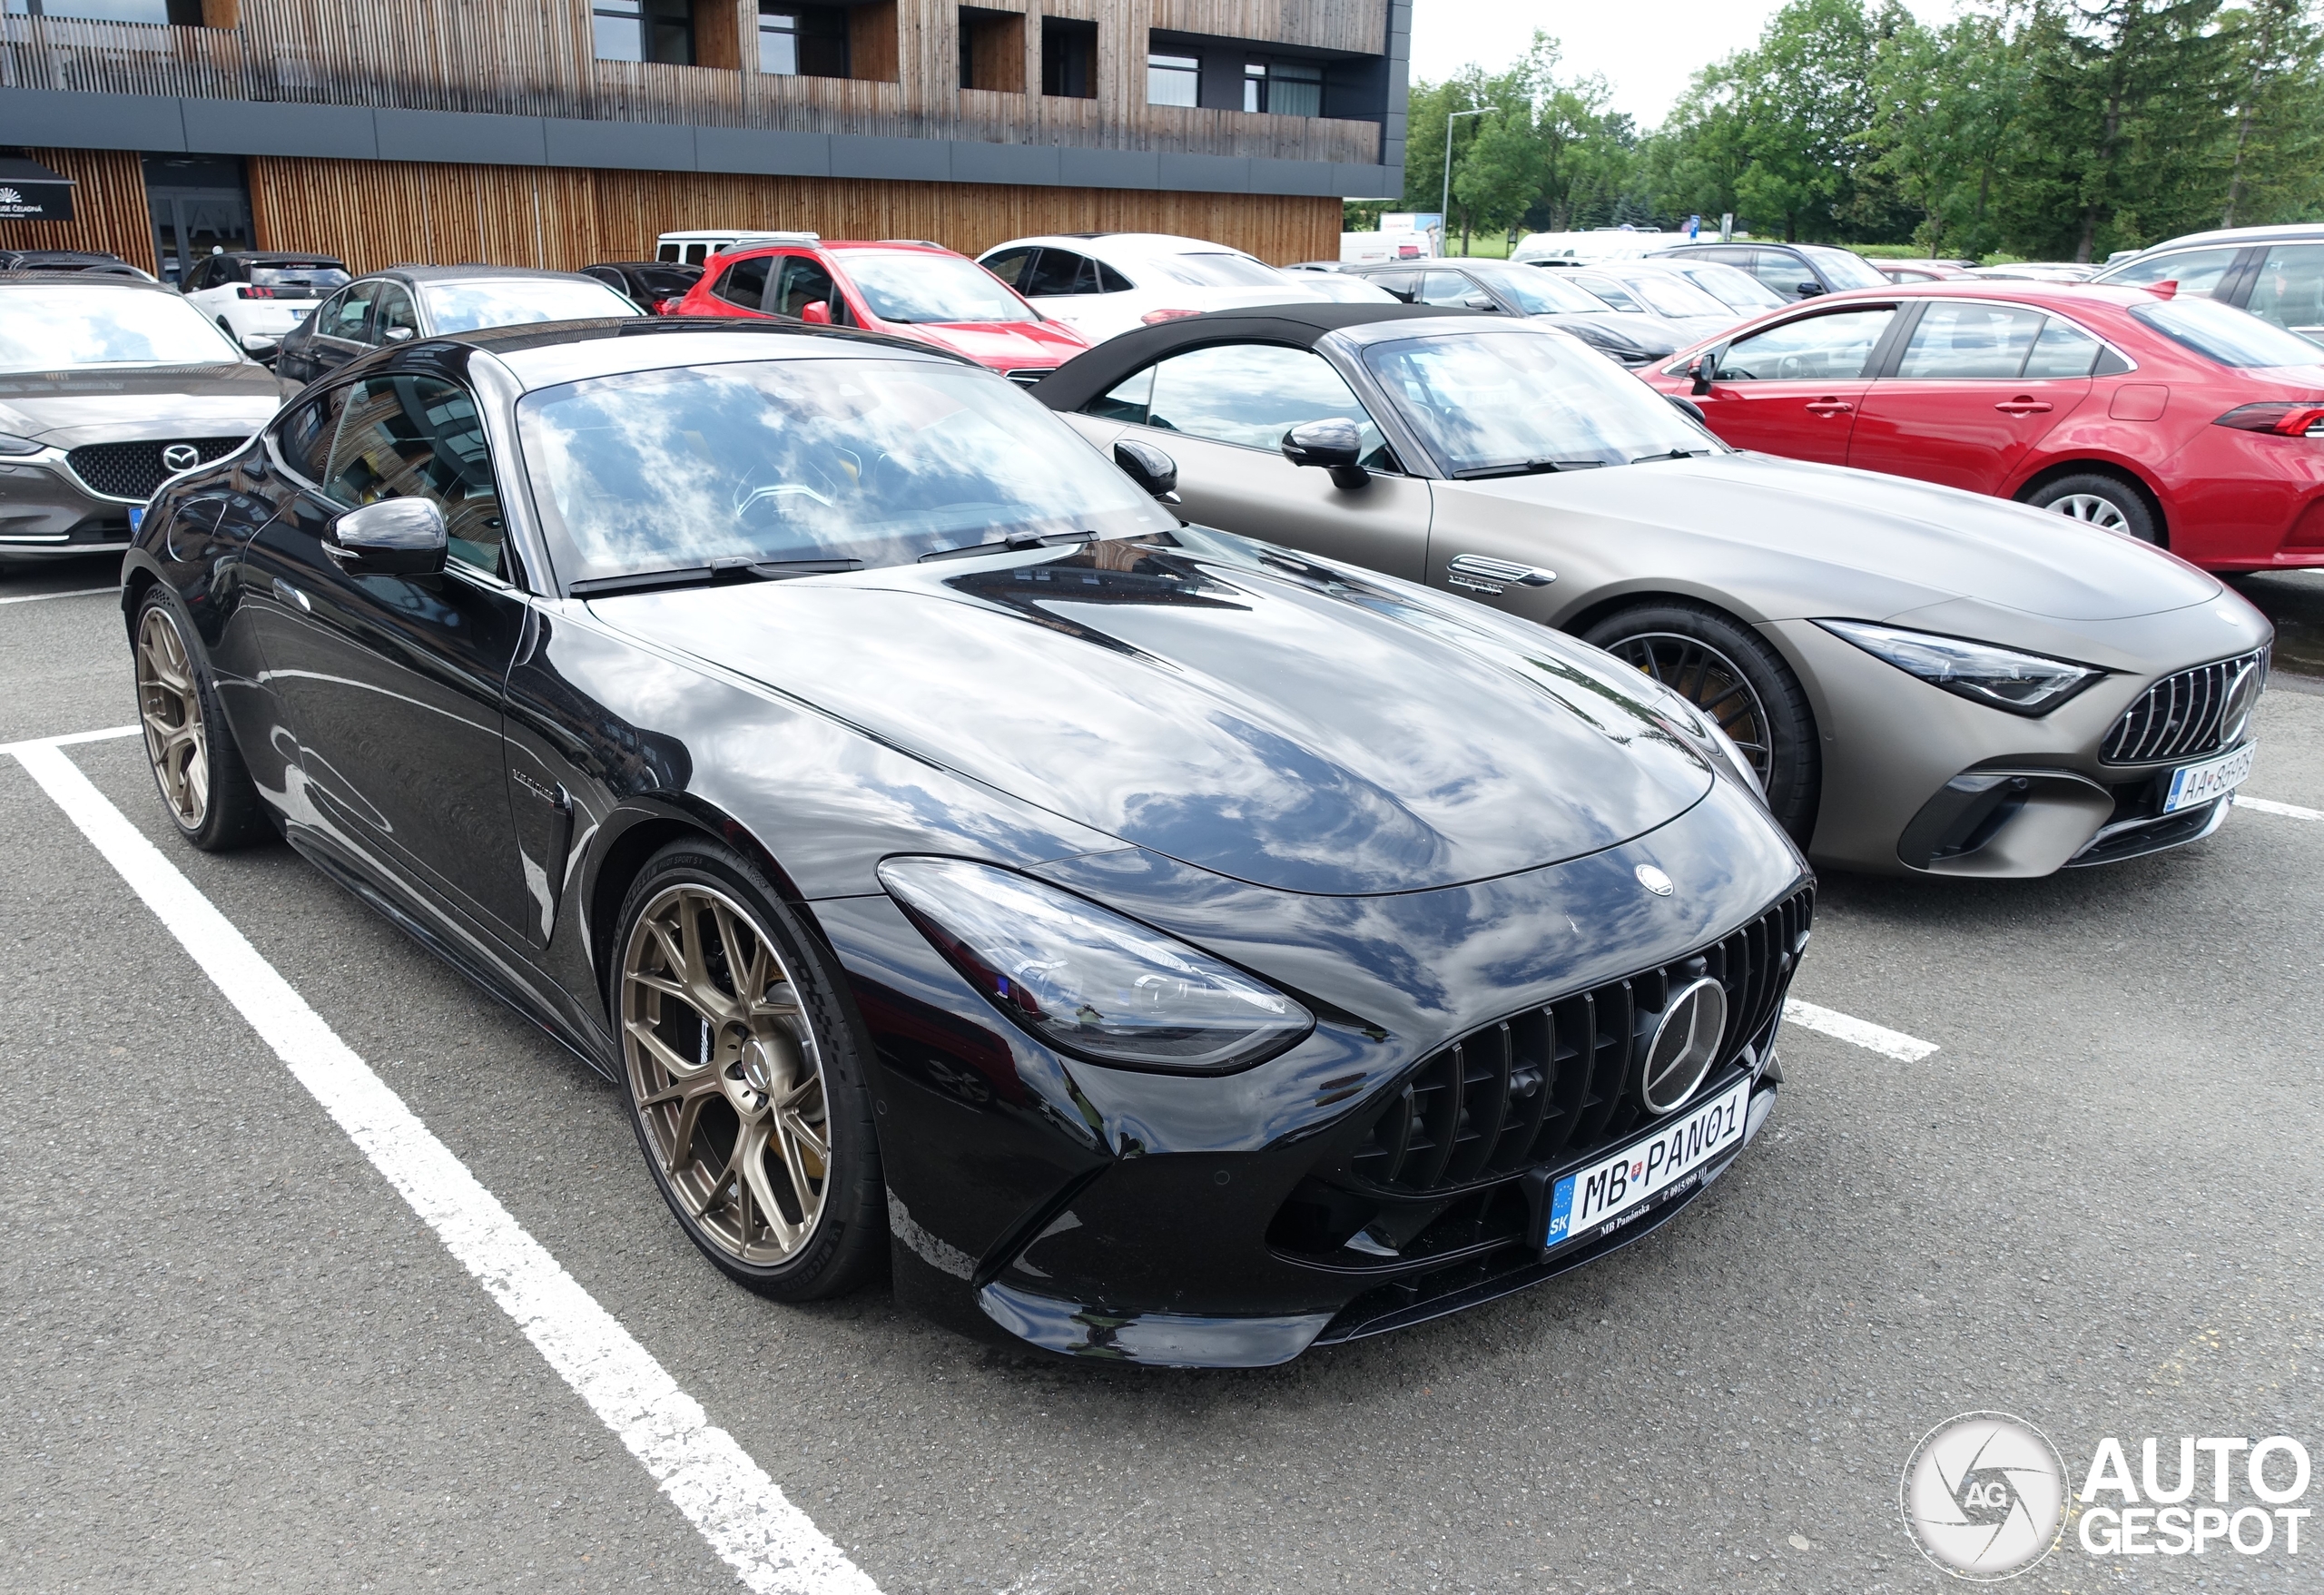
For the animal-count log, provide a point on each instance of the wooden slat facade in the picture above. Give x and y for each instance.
(374, 214)
(108, 208)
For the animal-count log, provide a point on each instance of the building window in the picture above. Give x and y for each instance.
(1069, 58)
(992, 49)
(1283, 88)
(803, 41)
(644, 30)
(1173, 80)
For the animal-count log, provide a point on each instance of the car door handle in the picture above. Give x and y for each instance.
(2023, 407)
(1830, 406)
(293, 597)
(1480, 573)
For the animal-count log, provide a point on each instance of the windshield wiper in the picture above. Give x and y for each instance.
(1526, 467)
(1672, 454)
(717, 570)
(1013, 542)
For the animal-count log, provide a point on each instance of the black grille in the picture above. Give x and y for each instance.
(133, 470)
(2184, 714)
(1560, 1081)
(1026, 376)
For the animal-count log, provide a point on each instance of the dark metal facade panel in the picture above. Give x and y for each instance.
(69, 120)
(921, 160)
(1368, 182)
(1033, 164)
(1210, 174)
(276, 127)
(637, 147)
(1287, 177)
(1084, 168)
(763, 152)
(486, 140)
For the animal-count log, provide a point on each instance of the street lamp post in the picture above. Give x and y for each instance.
(1444, 200)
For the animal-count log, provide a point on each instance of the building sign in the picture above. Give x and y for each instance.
(30, 192)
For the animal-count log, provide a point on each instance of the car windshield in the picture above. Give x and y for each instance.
(1846, 268)
(2230, 335)
(1525, 399)
(876, 461)
(510, 301)
(60, 327)
(316, 278)
(1737, 289)
(1540, 293)
(1219, 270)
(932, 288)
(1668, 294)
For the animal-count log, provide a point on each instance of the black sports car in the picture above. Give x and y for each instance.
(1181, 949)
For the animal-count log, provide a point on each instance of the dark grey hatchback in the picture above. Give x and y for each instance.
(407, 302)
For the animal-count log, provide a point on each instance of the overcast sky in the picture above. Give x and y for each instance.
(1646, 49)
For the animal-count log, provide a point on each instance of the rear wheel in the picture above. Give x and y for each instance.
(1725, 669)
(197, 767)
(745, 1083)
(2100, 499)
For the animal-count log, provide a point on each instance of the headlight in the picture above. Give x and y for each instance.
(11, 444)
(1088, 981)
(1999, 679)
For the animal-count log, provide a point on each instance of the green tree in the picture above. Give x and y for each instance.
(2276, 79)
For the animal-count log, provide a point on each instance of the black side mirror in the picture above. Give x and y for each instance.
(396, 537)
(1149, 467)
(1699, 370)
(1810, 289)
(1334, 443)
(1688, 408)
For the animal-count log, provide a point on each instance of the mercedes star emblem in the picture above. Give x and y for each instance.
(1655, 881)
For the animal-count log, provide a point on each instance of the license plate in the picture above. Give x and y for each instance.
(1594, 1197)
(2197, 784)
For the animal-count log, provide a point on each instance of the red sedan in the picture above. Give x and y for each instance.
(912, 290)
(2179, 420)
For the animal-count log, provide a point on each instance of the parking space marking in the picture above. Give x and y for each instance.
(1858, 1032)
(2270, 806)
(771, 1544)
(75, 593)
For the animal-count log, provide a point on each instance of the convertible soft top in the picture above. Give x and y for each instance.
(1083, 378)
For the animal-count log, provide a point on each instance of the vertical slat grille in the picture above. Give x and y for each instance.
(2180, 715)
(1561, 1081)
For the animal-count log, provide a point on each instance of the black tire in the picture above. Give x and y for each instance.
(845, 1242)
(1724, 667)
(2100, 499)
(215, 804)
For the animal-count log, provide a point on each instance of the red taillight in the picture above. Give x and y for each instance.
(2285, 419)
(244, 290)
(1153, 318)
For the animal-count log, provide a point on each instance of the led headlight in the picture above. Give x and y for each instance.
(1999, 679)
(1087, 981)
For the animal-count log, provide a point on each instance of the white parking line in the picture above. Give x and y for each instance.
(2270, 806)
(772, 1545)
(75, 593)
(1858, 1032)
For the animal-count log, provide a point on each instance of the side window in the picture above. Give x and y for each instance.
(325, 314)
(1611, 292)
(419, 437)
(303, 439)
(1251, 394)
(1781, 270)
(1129, 400)
(744, 283)
(2062, 350)
(1959, 338)
(2290, 288)
(2194, 270)
(350, 315)
(1110, 281)
(1812, 348)
(198, 278)
(1402, 284)
(1009, 265)
(393, 320)
(1058, 274)
(1445, 288)
(804, 282)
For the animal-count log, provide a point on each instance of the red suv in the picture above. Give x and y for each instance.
(898, 286)
(2177, 419)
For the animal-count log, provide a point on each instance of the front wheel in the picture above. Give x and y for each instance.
(1725, 670)
(745, 1083)
(188, 745)
(2102, 501)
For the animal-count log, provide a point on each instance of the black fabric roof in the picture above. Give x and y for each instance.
(1086, 376)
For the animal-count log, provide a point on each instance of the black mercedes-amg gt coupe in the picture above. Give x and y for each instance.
(1163, 946)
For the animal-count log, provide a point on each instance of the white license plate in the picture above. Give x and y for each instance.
(2197, 784)
(1589, 1197)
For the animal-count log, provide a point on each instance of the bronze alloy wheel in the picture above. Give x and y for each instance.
(725, 1074)
(1710, 681)
(169, 703)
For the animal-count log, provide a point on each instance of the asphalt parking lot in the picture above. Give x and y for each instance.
(239, 1359)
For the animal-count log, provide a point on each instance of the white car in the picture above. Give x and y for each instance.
(1102, 284)
(257, 296)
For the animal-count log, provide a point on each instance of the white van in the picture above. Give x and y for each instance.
(694, 247)
(1603, 243)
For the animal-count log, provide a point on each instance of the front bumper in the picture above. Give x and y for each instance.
(48, 512)
(1175, 1219)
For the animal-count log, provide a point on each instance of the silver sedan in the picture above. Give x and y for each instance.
(1924, 680)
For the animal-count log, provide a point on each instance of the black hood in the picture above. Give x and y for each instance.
(1288, 724)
